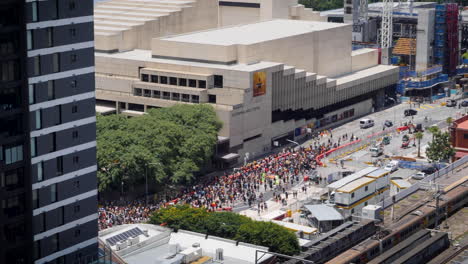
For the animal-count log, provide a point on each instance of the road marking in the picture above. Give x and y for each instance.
(430, 106)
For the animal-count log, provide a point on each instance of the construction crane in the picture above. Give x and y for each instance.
(386, 31)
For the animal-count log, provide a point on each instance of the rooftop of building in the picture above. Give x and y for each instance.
(356, 184)
(402, 184)
(351, 177)
(376, 8)
(463, 125)
(163, 246)
(323, 212)
(254, 33)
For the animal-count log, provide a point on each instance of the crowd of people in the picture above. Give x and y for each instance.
(249, 185)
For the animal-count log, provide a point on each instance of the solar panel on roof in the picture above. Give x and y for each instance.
(123, 236)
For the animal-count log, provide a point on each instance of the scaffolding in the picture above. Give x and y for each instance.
(446, 37)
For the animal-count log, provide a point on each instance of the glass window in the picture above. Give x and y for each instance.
(31, 93)
(54, 142)
(144, 77)
(74, 109)
(71, 5)
(172, 80)
(33, 147)
(147, 93)
(163, 80)
(176, 96)
(55, 243)
(35, 199)
(73, 84)
(34, 12)
(75, 134)
(201, 84)
(53, 193)
(218, 81)
(72, 32)
(50, 37)
(185, 97)
(38, 119)
(42, 224)
(212, 98)
(154, 78)
(59, 114)
(50, 90)
(59, 165)
(54, 9)
(37, 65)
(40, 171)
(61, 216)
(156, 94)
(13, 154)
(166, 95)
(37, 249)
(73, 58)
(195, 99)
(56, 62)
(8, 70)
(137, 92)
(29, 39)
(192, 83)
(182, 82)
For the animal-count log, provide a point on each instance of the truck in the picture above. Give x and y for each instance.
(376, 151)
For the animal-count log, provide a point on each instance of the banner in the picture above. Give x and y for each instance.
(259, 83)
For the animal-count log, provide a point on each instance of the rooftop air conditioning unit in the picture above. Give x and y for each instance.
(196, 245)
(219, 254)
(121, 245)
(145, 232)
(134, 240)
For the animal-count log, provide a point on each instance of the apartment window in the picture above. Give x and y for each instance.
(72, 32)
(40, 171)
(163, 80)
(77, 232)
(61, 215)
(42, 222)
(185, 98)
(156, 94)
(34, 11)
(76, 209)
(366, 188)
(59, 113)
(147, 93)
(71, 5)
(76, 185)
(38, 119)
(53, 193)
(55, 243)
(29, 39)
(212, 98)
(352, 195)
(73, 84)
(74, 109)
(13, 154)
(218, 81)
(59, 161)
(54, 142)
(50, 90)
(75, 134)
(176, 96)
(201, 84)
(35, 199)
(166, 95)
(37, 65)
(182, 82)
(144, 77)
(137, 92)
(172, 80)
(37, 249)
(195, 99)
(56, 62)
(50, 37)
(73, 58)
(192, 83)
(76, 160)
(465, 136)
(154, 78)
(33, 147)
(32, 93)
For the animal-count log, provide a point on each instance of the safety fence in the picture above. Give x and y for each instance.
(428, 179)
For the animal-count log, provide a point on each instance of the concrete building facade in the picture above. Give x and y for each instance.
(262, 92)
(48, 153)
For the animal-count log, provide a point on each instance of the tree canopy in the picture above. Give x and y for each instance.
(171, 144)
(440, 149)
(228, 225)
(321, 5)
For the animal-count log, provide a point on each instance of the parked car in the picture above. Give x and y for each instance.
(419, 176)
(376, 151)
(365, 123)
(464, 104)
(388, 123)
(410, 112)
(451, 103)
(392, 166)
(429, 170)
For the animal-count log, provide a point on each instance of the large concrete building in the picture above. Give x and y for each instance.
(268, 81)
(48, 188)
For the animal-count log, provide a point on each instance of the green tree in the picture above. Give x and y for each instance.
(440, 149)
(171, 144)
(433, 130)
(419, 135)
(449, 121)
(321, 5)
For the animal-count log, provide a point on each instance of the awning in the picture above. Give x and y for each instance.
(230, 156)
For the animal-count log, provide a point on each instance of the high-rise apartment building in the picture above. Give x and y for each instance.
(48, 192)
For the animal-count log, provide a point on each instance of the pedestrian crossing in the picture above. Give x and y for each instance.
(427, 107)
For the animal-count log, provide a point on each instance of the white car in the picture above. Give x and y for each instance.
(419, 176)
(391, 166)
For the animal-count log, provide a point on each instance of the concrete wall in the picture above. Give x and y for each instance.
(364, 58)
(424, 38)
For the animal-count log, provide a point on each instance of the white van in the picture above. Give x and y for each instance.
(392, 166)
(365, 123)
(376, 151)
